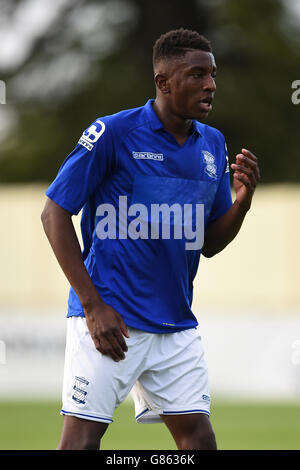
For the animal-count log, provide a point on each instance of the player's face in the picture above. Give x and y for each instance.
(192, 85)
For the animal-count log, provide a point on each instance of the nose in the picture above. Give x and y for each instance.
(210, 84)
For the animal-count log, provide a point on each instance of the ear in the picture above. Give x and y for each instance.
(162, 83)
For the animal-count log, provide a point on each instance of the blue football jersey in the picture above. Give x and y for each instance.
(136, 184)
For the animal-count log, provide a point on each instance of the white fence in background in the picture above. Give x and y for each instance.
(250, 355)
(259, 268)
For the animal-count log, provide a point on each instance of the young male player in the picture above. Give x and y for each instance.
(130, 323)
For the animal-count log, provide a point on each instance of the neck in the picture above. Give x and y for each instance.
(181, 128)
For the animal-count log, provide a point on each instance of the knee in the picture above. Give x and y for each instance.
(199, 440)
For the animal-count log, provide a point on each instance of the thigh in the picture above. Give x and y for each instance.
(94, 384)
(81, 434)
(176, 380)
(191, 431)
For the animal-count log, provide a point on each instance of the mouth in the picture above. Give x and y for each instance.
(206, 103)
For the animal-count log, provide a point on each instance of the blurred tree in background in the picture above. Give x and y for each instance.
(78, 60)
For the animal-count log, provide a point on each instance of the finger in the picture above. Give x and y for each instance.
(244, 179)
(244, 170)
(117, 339)
(249, 154)
(120, 339)
(247, 162)
(115, 345)
(104, 346)
(123, 327)
(99, 346)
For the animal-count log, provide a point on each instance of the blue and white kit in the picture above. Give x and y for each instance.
(147, 280)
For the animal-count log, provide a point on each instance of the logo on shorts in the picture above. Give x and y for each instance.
(79, 388)
(205, 397)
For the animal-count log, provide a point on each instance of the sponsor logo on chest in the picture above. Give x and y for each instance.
(148, 156)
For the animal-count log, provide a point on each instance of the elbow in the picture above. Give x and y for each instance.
(210, 251)
(207, 250)
(208, 254)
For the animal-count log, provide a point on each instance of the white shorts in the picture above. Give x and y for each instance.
(166, 374)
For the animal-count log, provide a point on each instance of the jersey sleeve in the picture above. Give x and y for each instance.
(223, 199)
(84, 168)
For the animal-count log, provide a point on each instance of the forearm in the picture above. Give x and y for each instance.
(62, 237)
(223, 230)
(106, 326)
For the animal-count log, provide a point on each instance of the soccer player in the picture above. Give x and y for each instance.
(130, 326)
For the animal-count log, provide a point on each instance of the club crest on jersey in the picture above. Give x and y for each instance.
(210, 169)
(227, 165)
(79, 388)
(227, 160)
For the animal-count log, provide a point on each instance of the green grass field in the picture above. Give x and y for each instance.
(37, 426)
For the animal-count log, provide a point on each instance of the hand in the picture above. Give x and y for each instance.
(107, 330)
(245, 177)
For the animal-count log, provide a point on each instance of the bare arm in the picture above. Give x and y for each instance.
(105, 324)
(223, 230)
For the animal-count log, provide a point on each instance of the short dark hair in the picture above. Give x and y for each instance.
(175, 43)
